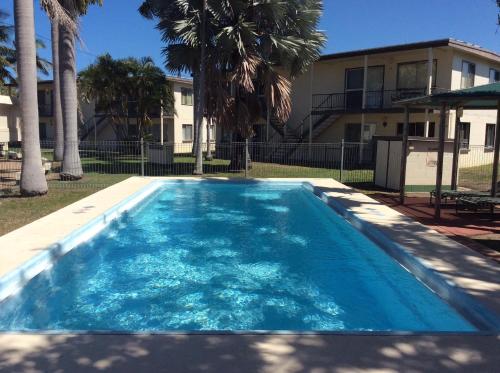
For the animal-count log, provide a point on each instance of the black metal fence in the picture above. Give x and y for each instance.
(105, 163)
(476, 168)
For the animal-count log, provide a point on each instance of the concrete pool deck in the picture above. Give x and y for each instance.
(478, 276)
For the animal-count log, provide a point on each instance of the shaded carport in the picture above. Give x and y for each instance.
(486, 97)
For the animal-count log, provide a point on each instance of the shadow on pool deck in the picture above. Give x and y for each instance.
(476, 274)
(248, 353)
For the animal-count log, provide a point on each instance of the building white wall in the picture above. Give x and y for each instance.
(10, 120)
(329, 76)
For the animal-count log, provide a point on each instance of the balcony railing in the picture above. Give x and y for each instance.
(353, 100)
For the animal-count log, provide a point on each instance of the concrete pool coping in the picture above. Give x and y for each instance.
(478, 276)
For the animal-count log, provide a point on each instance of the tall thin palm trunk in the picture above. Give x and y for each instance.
(32, 176)
(196, 80)
(198, 168)
(208, 156)
(56, 94)
(72, 166)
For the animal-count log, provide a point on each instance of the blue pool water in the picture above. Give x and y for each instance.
(229, 256)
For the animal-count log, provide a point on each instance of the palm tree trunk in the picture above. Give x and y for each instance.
(200, 112)
(72, 166)
(196, 80)
(56, 94)
(208, 156)
(32, 176)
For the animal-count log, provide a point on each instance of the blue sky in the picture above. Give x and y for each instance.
(118, 28)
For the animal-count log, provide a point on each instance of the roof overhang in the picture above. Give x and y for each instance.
(456, 44)
(485, 97)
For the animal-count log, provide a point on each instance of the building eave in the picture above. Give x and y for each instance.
(453, 43)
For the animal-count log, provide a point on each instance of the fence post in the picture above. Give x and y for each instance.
(342, 147)
(246, 158)
(142, 156)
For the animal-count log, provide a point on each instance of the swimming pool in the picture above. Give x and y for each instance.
(208, 256)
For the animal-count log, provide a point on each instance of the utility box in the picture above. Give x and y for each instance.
(421, 163)
(161, 154)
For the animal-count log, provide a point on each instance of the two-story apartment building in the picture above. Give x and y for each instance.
(350, 96)
(95, 125)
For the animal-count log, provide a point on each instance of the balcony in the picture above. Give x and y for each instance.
(375, 100)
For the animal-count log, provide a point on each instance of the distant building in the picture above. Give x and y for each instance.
(96, 125)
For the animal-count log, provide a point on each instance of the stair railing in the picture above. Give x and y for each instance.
(329, 101)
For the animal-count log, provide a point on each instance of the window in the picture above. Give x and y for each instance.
(464, 135)
(352, 132)
(432, 130)
(494, 75)
(187, 132)
(354, 82)
(468, 74)
(414, 129)
(489, 141)
(187, 96)
(212, 133)
(43, 131)
(132, 130)
(414, 75)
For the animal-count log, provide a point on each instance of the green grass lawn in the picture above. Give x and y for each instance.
(17, 211)
(101, 171)
(476, 178)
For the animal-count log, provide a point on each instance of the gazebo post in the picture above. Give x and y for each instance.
(494, 179)
(456, 151)
(440, 160)
(404, 156)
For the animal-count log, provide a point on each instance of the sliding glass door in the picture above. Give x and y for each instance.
(354, 81)
(354, 88)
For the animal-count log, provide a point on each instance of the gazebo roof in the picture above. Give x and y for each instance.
(476, 98)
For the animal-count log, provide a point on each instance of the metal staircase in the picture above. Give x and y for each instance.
(92, 125)
(322, 117)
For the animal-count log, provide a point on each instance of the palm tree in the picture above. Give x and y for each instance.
(183, 25)
(71, 166)
(148, 89)
(57, 16)
(200, 109)
(106, 82)
(32, 176)
(269, 42)
(8, 53)
(56, 93)
(117, 84)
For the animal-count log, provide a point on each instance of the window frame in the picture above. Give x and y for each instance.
(434, 76)
(42, 131)
(414, 125)
(213, 133)
(184, 96)
(462, 74)
(496, 72)
(493, 135)
(192, 134)
(463, 145)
